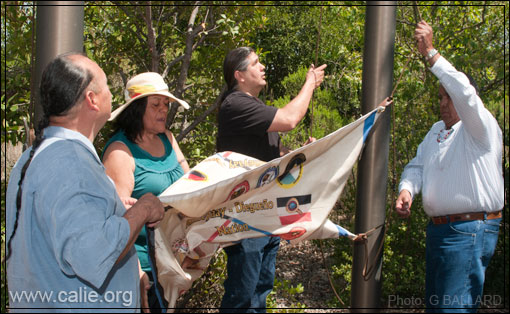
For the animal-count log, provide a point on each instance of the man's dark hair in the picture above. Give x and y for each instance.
(62, 85)
(130, 121)
(235, 60)
(472, 82)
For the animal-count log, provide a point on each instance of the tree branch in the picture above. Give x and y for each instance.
(492, 85)
(136, 34)
(188, 50)
(171, 64)
(198, 120)
(447, 38)
(151, 38)
(123, 76)
(198, 30)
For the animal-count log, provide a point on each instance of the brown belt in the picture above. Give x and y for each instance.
(465, 217)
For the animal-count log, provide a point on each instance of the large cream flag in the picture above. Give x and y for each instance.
(230, 196)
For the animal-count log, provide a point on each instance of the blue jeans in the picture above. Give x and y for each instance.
(457, 256)
(250, 275)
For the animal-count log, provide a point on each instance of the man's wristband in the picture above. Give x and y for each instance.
(431, 54)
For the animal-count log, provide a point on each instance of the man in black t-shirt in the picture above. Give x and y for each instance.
(247, 126)
(243, 123)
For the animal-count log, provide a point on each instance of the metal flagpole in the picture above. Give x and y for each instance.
(377, 80)
(59, 29)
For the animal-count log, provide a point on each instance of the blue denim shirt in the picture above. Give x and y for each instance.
(70, 231)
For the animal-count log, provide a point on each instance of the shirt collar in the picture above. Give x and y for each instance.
(455, 127)
(67, 134)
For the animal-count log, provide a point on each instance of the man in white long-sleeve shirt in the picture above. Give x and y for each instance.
(458, 170)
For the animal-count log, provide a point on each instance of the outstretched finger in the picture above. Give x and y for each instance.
(322, 67)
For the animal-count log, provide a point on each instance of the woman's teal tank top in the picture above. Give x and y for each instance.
(152, 174)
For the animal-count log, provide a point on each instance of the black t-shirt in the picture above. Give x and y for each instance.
(243, 121)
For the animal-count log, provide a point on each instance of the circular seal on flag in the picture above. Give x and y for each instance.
(294, 233)
(293, 172)
(268, 176)
(292, 206)
(239, 189)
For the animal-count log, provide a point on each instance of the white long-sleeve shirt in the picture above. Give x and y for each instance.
(464, 172)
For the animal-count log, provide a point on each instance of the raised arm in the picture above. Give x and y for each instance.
(288, 117)
(477, 120)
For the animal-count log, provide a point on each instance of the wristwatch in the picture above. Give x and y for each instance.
(431, 54)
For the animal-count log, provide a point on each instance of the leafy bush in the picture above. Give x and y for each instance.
(472, 36)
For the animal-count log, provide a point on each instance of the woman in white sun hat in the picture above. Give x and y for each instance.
(143, 155)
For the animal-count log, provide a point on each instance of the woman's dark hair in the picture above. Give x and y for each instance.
(131, 119)
(62, 85)
(236, 60)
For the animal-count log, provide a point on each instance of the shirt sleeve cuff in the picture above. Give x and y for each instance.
(406, 186)
(108, 265)
(440, 67)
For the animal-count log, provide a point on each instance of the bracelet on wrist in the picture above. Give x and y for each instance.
(431, 54)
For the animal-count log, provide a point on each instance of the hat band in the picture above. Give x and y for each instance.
(137, 90)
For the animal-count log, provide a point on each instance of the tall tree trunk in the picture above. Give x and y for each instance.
(151, 39)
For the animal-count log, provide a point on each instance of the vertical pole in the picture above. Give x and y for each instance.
(377, 80)
(59, 29)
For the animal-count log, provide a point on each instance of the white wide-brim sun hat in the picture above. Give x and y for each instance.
(143, 85)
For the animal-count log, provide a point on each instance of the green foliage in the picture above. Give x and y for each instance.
(415, 110)
(288, 291)
(201, 143)
(325, 118)
(121, 47)
(12, 121)
(285, 36)
(206, 291)
(16, 68)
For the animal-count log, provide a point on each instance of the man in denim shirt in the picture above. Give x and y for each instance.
(70, 238)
